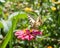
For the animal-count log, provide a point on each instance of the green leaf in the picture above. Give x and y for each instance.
(1, 25)
(22, 15)
(8, 36)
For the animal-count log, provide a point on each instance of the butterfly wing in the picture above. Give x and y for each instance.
(31, 20)
(39, 21)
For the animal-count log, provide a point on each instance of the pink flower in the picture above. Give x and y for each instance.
(21, 36)
(24, 35)
(19, 32)
(36, 32)
(27, 31)
(27, 35)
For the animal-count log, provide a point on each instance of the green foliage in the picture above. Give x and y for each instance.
(10, 32)
(14, 17)
(1, 25)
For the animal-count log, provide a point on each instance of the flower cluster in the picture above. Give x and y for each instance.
(27, 34)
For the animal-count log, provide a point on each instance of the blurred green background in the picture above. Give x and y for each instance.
(13, 16)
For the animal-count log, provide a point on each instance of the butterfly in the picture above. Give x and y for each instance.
(35, 23)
